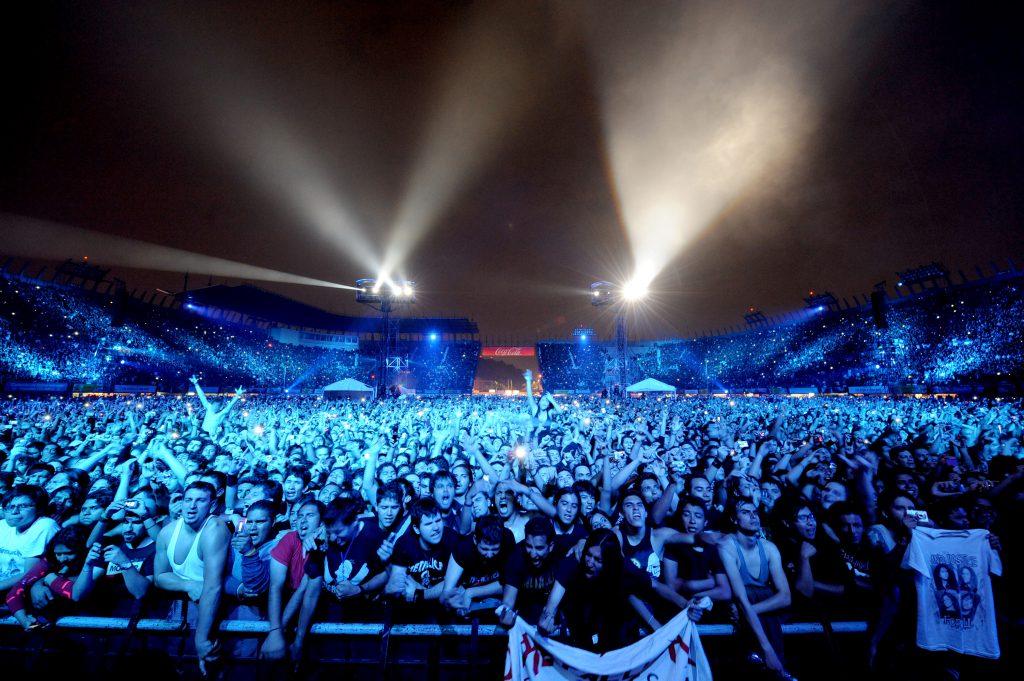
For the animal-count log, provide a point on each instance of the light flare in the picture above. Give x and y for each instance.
(31, 238)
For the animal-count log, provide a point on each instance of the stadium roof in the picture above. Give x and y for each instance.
(261, 304)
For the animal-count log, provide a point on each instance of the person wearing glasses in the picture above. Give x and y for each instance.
(811, 561)
(24, 533)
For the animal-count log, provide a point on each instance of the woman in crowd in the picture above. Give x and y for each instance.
(47, 587)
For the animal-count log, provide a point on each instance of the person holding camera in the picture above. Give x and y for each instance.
(248, 578)
(118, 574)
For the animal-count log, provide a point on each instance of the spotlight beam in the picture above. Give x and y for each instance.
(485, 86)
(31, 238)
(701, 104)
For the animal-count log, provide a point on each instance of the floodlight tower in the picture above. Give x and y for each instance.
(385, 297)
(605, 293)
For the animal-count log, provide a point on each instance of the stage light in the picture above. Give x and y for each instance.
(433, 336)
(634, 290)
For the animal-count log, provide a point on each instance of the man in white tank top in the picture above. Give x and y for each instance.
(191, 554)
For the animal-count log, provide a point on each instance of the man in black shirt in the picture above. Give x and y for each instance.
(419, 562)
(343, 570)
(473, 579)
(693, 570)
(530, 573)
(442, 489)
(383, 528)
(121, 572)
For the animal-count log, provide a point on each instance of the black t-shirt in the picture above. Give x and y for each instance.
(565, 542)
(695, 562)
(351, 562)
(598, 614)
(453, 519)
(827, 567)
(425, 566)
(375, 536)
(533, 583)
(476, 570)
(635, 582)
(110, 596)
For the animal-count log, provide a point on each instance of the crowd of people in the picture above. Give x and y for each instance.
(56, 333)
(596, 520)
(935, 337)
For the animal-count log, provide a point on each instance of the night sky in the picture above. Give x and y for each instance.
(249, 131)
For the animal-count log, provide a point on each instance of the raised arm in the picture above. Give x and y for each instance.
(471, 445)
(542, 504)
(166, 456)
(626, 473)
(531, 403)
(199, 392)
(239, 394)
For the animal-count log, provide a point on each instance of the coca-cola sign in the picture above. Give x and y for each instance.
(508, 351)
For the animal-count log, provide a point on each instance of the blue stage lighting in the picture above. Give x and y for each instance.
(433, 336)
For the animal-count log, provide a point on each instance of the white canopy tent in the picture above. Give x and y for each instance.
(348, 388)
(650, 385)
